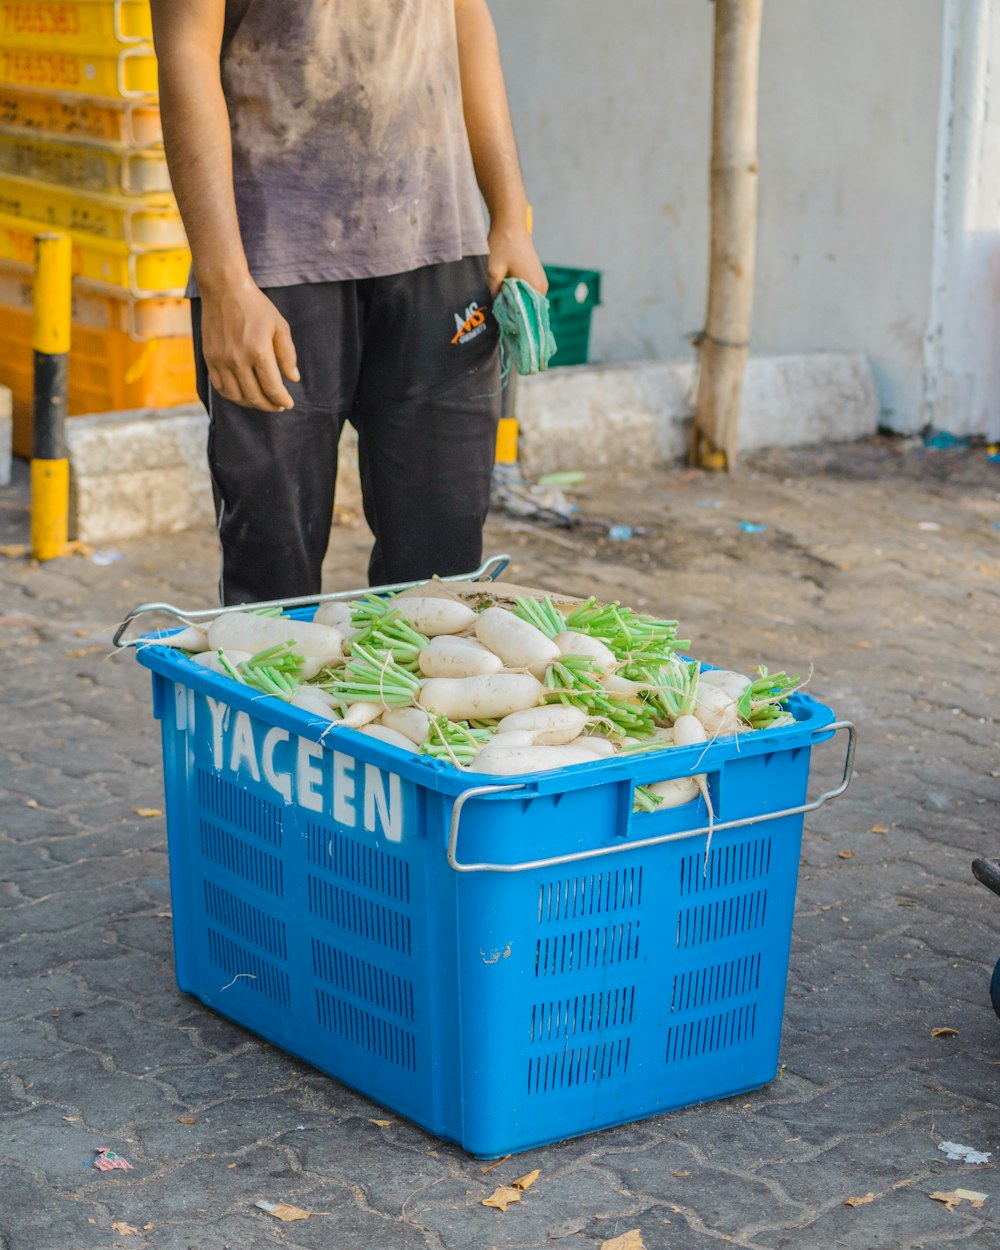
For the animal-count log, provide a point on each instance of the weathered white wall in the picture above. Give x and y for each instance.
(611, 104)
(962, 356)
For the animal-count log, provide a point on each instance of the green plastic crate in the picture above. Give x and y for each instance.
(573, 294)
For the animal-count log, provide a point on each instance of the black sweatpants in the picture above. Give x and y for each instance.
(411, 361)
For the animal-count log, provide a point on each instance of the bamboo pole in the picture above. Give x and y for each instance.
(725, 342)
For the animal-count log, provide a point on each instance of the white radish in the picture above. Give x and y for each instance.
(411, 722)
(614, 684)
(675, 792)
(507, 761)
(517, 643)
(390, 736)
(571, 643)
(446, 659)
(193, 638)
(552, 725)
(689, 731)
(725, 679)
(213, 661)
(247, 632)
(312, 701)
(336, 612)
(433, 616)
(478, 698)
(717, 710)
(601, 748)
(312, 666)
(513, 738)
(359, 714)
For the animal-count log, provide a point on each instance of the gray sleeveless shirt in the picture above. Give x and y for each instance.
(350, 154)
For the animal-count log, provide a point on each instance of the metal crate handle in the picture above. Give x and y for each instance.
(554, 860)
(488, 571)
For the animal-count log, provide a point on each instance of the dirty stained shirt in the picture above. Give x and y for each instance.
(350, 153)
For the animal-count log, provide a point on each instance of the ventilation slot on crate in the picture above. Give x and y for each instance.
(369, 920)
(728, 864)
(711, 1033)
(726, 917)
(587, 948)
(701, 987)
(363, 979)
(358, 862)
(252, 863)
(245, 920)
(583, 1066)
(593, 895)
(369, 1032)
(239, 808)
(247, 969)
(584, 1013)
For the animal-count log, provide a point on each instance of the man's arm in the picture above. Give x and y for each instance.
(494, 153)
(246, 341)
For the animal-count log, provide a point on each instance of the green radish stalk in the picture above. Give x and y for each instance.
(518, 644)
(479, 698)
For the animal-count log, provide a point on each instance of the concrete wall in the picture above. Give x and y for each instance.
(611, 104)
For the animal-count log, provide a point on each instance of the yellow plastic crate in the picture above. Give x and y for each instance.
(141, 223)
(83, 165)
(141, 319)
(98, 71)
(108, 371)
(134, 123)
(62, 25)
(104, 263)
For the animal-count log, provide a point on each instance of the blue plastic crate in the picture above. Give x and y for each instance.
(331, 894)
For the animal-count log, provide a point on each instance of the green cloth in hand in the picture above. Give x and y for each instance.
(526, 339)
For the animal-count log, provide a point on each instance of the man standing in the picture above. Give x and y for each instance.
(325, 156)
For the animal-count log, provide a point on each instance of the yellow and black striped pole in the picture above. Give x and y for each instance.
(49, 463)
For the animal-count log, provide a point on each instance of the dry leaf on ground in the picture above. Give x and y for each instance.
(845, 854)
(123, 1229)
(879, 828)
(285, 1211)
(528, 1179)
(502, 1197)
(860, 1202)
(950, 1200)
(944, 1032)
(495, 1164)
(187, 1119)
(632, 1240)
(382, 1123)
(148, 811)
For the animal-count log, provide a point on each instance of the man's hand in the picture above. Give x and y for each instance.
(513, 255)
(248, 346)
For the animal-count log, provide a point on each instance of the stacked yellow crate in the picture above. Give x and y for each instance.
(81, 150)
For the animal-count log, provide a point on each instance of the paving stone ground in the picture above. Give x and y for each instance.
(878, 570)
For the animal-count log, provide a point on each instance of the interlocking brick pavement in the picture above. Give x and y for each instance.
(899, 622)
